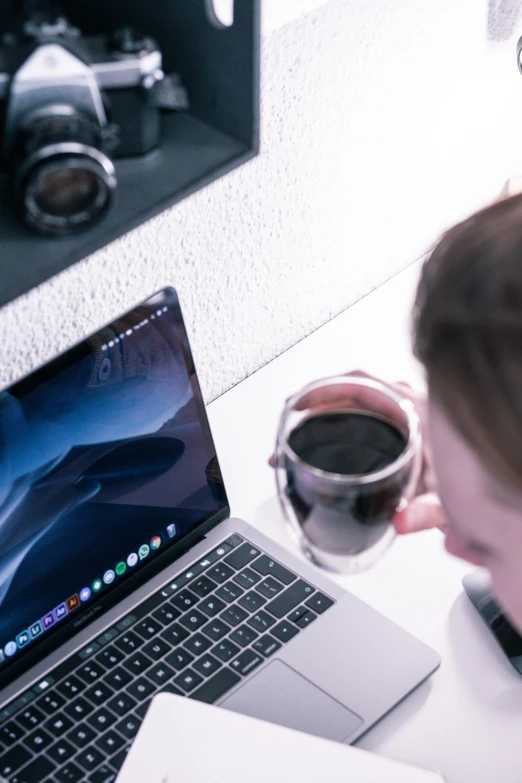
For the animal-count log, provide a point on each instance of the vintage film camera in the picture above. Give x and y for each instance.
(69, 105)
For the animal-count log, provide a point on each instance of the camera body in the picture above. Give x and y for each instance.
(68, 105)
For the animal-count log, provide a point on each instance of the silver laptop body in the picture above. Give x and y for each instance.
(326, 663)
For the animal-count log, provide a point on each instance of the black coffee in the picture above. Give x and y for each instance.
(338, 518)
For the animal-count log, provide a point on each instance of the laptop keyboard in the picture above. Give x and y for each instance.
(197, 636)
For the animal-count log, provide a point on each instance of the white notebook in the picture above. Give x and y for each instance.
(184, 741)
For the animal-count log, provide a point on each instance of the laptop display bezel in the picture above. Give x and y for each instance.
(110, 599)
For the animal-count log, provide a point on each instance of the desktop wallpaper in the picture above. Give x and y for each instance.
(104, 452)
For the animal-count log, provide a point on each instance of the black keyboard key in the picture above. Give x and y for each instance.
(246, 662)
(261, 621)
(216, 686)
(103, 774)
(229, 592)
(170, 688)
(242, 556)
(129, 642)
(215, 630)
(69, 774)
(284, 631)
(30, 718)
(89, 759)
(118, 678)
(90, 672)
(188, 680)
(70, 687)
(226, 650)
(58, 725)
(148, 628)
(297, 614)
(252, 601)
(269, 587)
(137, 663)
(50, 702)
(175, 634)
(142, 710)
(121, 704)
(98, 693)
(129, 726)
(265, 566)
(234, 615)
(79, 709)
(306, 619)
(101, 720)
(11, 733)
(37, 771)
(38, 740)
(289, 599)
(160, 673)
(266, 645)
(179, 659)
(193, 620)
(110, 742)
(110, 657)
(247, 578)
(13, 759)
(207, 665)
(119, 758)
(197, 644)
(220, 573)
(166, 614)
(235, 540)
(81, 735)
(211, 606)
(61, 751)
(156, 649)
(244, 635)
(203, 586)
(319, 603)
(186, 599)
(141, 688)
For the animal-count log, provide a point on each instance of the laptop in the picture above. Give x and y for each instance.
(123, 574)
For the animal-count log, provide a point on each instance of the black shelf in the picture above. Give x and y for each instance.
(220, 68)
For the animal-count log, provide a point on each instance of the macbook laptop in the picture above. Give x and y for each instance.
(123, 574)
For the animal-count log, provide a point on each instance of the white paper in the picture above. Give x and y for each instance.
(184, 741)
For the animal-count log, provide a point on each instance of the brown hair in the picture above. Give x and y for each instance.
(467, 330)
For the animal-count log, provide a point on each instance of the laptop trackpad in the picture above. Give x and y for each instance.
(278, 694)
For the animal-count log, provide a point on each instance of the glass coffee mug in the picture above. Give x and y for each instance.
(348, 457)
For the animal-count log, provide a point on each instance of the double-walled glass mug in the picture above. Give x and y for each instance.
(348, 457)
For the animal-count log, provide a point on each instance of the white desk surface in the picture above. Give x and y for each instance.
(466, 721)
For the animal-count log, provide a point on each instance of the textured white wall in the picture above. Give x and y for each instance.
(383, 122)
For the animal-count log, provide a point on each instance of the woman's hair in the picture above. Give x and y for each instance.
(467, 326)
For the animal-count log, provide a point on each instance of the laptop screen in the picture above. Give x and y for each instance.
(106, 461)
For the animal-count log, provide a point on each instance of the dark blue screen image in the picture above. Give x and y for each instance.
(106, 459)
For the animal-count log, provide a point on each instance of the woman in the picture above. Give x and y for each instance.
(468, 335)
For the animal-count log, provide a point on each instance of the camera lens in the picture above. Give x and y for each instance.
(64, 192)
(63, 180)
